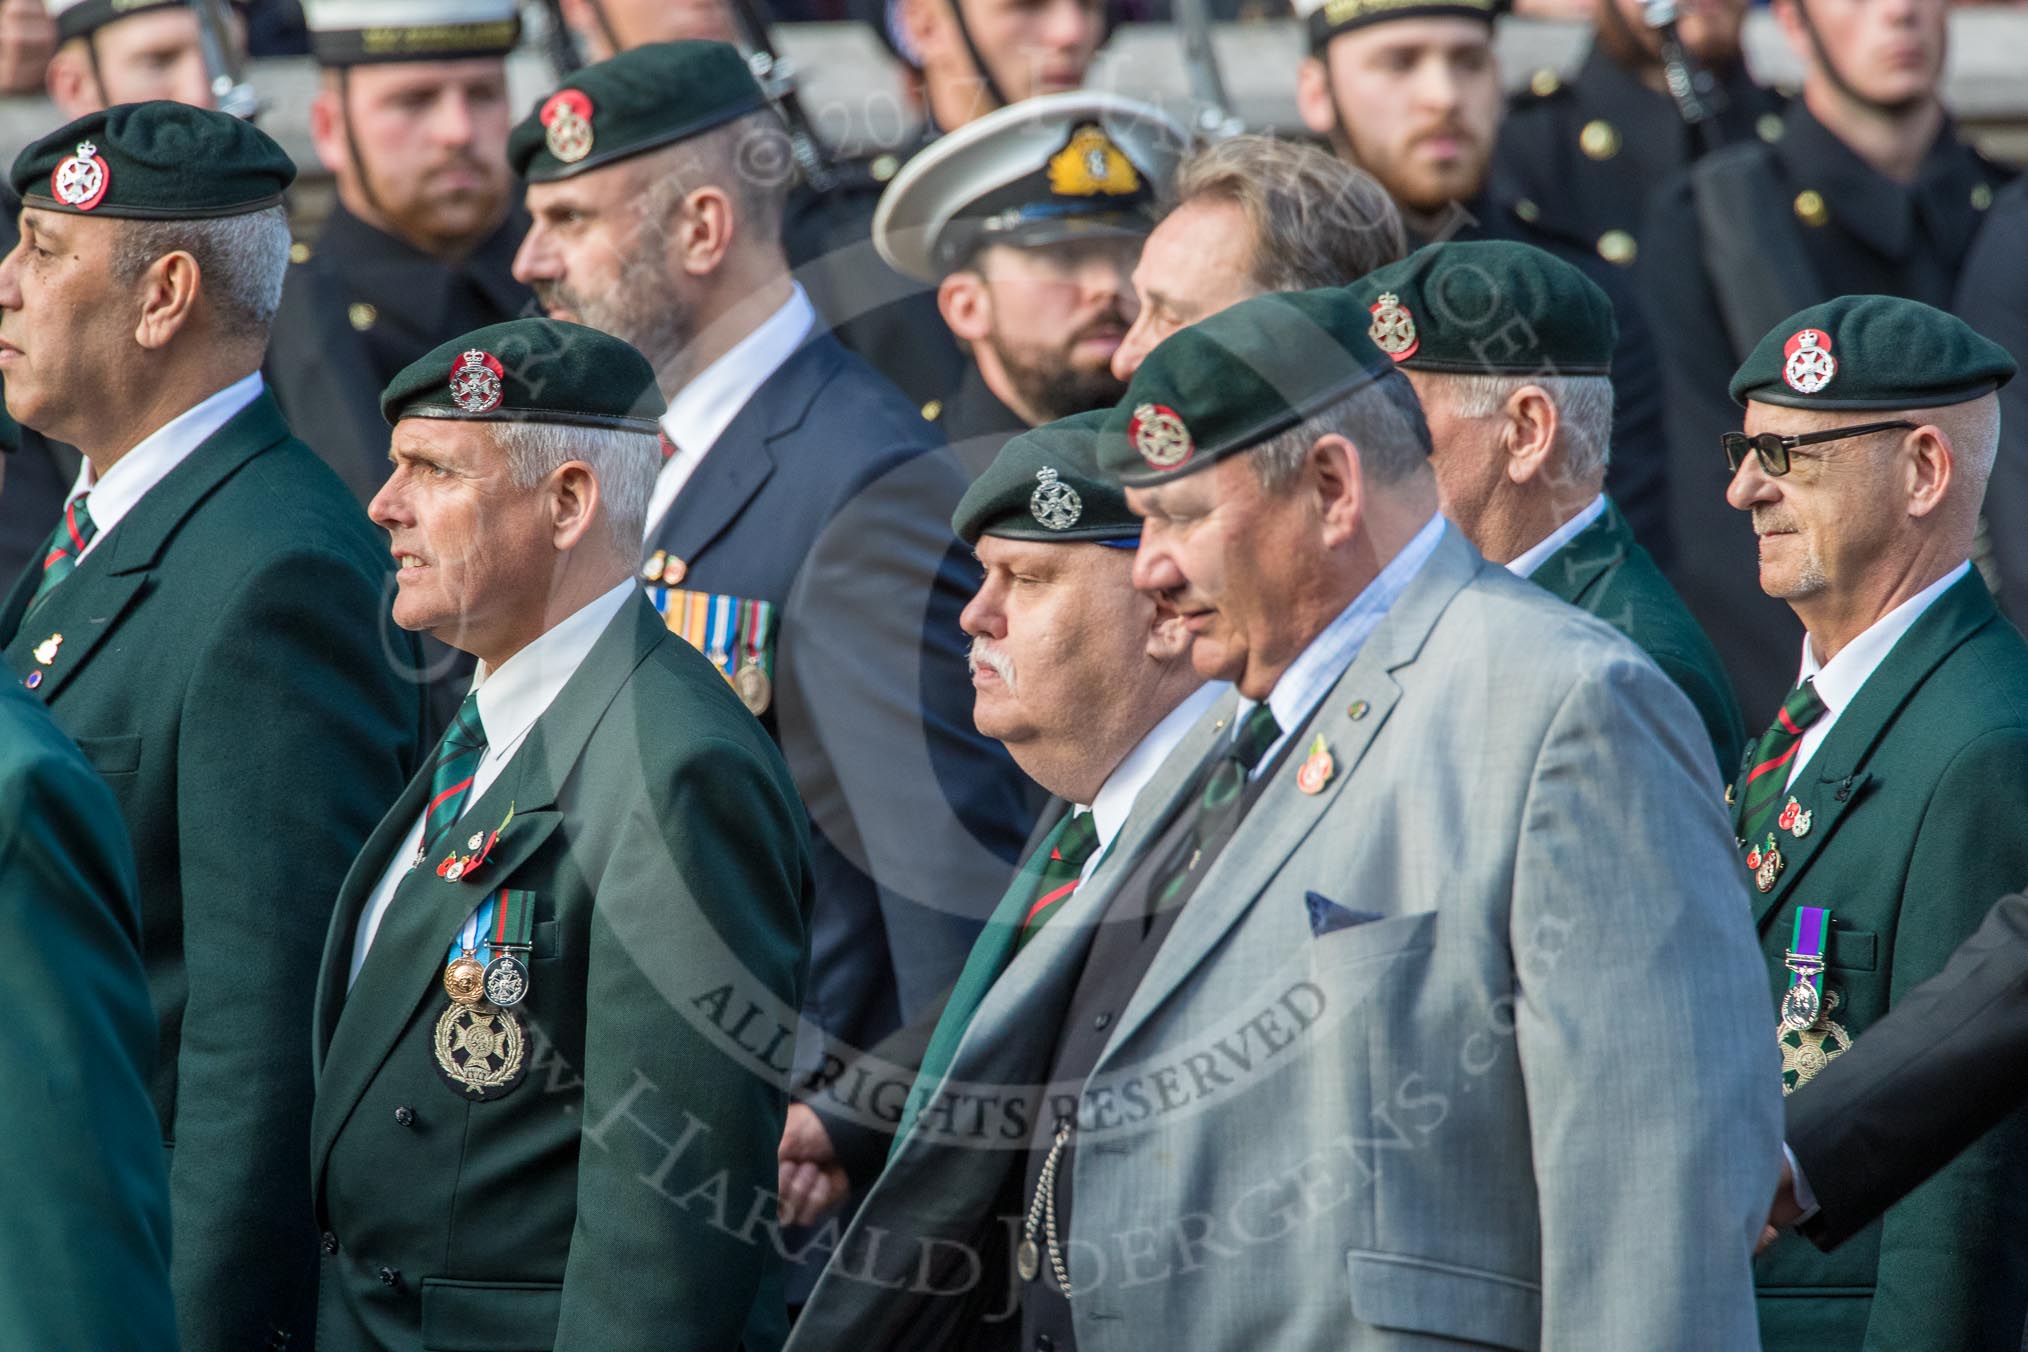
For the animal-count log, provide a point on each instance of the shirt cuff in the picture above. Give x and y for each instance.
(1805, 1198)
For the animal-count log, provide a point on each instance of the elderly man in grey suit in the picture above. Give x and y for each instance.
(1421, 1010)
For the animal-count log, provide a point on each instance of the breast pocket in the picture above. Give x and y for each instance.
(1374, 940)
(112, 755)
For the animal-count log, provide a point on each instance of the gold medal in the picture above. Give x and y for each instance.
(465, 980)
(754, 688)
(483, 1052)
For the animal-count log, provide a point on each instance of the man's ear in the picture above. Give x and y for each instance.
(923, 24)
(574, 504)
(704, 224)
(72, 86)
(1332, 473)
(1528, 434)
(327, 128)
(1931, 465)
(169, 290)
(1313, 96)
(966, 305)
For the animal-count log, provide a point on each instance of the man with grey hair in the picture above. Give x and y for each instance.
(798, 530)
(603, 838)
(1254, 214)
(1510, 351)
(205, 621)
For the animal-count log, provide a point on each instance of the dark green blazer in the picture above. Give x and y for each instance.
(1917, 798)
(224, 666)
(85, 1221)
(1604, 571)
(622, 1195)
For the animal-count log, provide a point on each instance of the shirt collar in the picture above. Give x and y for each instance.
(1538, 553)
(1839, 679)
(1318, 667)
(161, 451)
(515, 694)
(1115, 798)
(701, 411)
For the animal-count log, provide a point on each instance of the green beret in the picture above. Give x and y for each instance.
(1859, 352)
(1325, 19)
(529, 370)
(1232, 381)
(368, 32)
(1046, 485)
(1053, 168)
(640, 100)
(1489, 307)
(154, 162)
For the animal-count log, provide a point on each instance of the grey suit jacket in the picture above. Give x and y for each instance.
(1528, 1098)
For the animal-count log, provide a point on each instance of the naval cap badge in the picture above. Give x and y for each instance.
(1159, 435)
(1809, 365)
(1054, 504)
(1393, 327)
(81, 180)
(566, 125)
(475, 381)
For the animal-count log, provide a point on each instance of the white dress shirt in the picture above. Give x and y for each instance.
(704, 408)
(1532, 558)
(1839, 680)
(161, 451)
(510, 700)
(1317, 668)
(1114, 801)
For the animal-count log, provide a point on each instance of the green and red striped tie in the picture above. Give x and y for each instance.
(1060, 874)
(66, 542)
(464, 746)
(1768, 771)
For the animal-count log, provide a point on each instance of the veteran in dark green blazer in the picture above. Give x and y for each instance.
(559, 995)
(1510, 351)
(1881, 814)
(85, 1222)
(205, 622)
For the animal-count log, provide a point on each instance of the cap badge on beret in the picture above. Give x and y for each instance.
(1054, 504)
(1809, 365)
(81, 181)
(1159, 435)
(1090, 165)
(566, 122)
(475, 382)
(1393, 327)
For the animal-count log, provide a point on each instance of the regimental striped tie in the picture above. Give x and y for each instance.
(1220, 799)
(464, 746)
(1060, 875)
(1768, 772)
(66, 542)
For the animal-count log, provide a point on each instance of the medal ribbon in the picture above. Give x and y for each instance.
(1813, 924)
(757, 634)
(505, 919)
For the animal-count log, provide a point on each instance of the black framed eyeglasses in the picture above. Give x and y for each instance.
(1773, 448)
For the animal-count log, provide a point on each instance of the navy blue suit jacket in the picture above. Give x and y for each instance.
(830, 497)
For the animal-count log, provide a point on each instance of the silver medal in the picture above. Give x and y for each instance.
(506, 981)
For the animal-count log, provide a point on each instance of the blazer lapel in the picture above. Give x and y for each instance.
(1349, 719)
(1836, 779)
(742, 459)
(402, 968)
(87, 605)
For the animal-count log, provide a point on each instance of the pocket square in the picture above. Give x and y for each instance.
(1328, 917)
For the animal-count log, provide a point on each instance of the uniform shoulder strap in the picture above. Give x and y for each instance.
(1760, 275)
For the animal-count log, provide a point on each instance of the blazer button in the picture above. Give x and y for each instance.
(1044, 1343)
(1100, 1021)
(404, 1116)
(330, 1243)
(390, 1277)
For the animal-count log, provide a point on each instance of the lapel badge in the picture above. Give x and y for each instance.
(459, 868)
(1054, 504)
(1318, 767)
(1809, 365)
(1393, 327)
(45, 651)
(32, 679)
(1794, 820)
(80, 182)
(566, 125)
(1766, 863)
(1357, 710)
